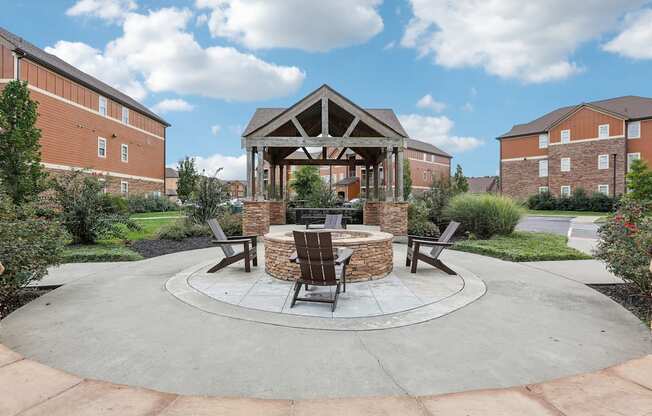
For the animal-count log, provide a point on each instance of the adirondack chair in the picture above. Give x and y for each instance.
(333, 221)
(414, 253)
(231, 255)
(319, 265)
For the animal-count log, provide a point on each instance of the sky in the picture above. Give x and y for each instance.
(458, 74)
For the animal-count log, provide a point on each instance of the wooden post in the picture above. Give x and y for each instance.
(389, 189)
(324, 116)
(281, 178)
(250, 182)
(366, 181)
(272, 182)
(330, 177)
(376, 182)
(399, 174)
(261, 169)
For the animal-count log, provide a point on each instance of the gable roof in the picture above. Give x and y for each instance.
(263, 116)
(482, 184)
(629, 107)
(58, 65)
(426, 147)
(171, 173)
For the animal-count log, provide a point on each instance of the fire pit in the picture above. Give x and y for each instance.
(372, 254)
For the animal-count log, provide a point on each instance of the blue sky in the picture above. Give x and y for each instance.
(484, 66)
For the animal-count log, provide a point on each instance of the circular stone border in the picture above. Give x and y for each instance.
(473, 288)
(373, 254)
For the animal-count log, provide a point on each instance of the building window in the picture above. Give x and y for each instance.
(103, 184)
(102, 106)
(603, 162)
(565, 164)
(543, 141)
(565, 191)
(125, 115)
(603, 189)
(101, 147)
(124, 153)
(634, 130)
(603, 131)
(631, 157)
(425, 178)
(425, 157)
(543, 168)
(124, 187)
(543, 189)
(565, 136)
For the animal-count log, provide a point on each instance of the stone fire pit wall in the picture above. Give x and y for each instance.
(372, 254)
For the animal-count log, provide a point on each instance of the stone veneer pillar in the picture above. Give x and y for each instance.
(371, 212)
(276, 212)
(255, 218)
(394, 218)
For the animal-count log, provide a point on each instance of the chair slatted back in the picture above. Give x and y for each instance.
(333, 221)
(219, 235)
(316, 257)
(444, 238)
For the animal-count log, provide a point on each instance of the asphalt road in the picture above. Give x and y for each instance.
(558, 225)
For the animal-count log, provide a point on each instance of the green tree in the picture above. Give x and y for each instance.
(188, 178)
(322, 196)
(460, 184)
(306, 181)
(20, 151)
(407, 180)
(209, 200)
(639, 181)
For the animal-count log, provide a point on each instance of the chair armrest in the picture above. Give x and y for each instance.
(229, 242)
(293, 257)
(315, 226)
(343, 255)
(432, 243)
(419, 237)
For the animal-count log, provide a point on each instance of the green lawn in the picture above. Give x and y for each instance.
(554, 213)
(100, 252)
(523, 246)
(166, 214)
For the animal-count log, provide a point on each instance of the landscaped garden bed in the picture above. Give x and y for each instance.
(160, 247)
(629, 296)
(23, 297)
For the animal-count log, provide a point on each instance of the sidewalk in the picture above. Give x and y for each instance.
(582, 234)
(29, 388)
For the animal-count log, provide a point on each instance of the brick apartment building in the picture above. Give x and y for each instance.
(86, 124)
(589, 146)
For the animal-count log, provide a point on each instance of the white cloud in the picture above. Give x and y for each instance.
(530, 41)
(636, 39)
(215, 129)
(315, 26)
(157, 49)
(427, 102)
(170, 105)
(104, 67)
(468, 107)
(436, 131)
(110, 10)
(201, 20)
(233, 167)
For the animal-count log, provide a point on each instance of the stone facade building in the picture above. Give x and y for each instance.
(588, 146)
(86, 124)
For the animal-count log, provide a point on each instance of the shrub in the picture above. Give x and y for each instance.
(436, 198)
(321, 196)
(28, 246)
(579, 201)
(542, 201)
(484, 215)
(183, 228)
(149, 203)
(209, 200)
(231, 224)
(86, 213)
(423, 229)
(600, 202)
(115, 204)
(625, 240)
(639, 181)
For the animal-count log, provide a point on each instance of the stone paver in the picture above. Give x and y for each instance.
(218, 406)
(638, 371)
(26, 383)
(368, 406)
(8, 356)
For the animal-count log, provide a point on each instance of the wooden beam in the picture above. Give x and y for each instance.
(280, 141)
(324, 154)
(351, 127)
(299, 127)
(339, 156)
(321, 162)
(324, 116)
(308, 155)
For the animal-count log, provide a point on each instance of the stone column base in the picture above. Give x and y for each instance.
(277, 212)
(255, 218)
(371, 212)
(394, 218)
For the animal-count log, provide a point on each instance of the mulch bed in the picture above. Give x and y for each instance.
(154, 248)
(24, 297)
(629, 297)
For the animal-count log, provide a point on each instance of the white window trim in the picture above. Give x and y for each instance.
(561, 136)
(639, 129)
(101, 140)
(106, 106)
(603, 185)
(600, 128)
(124, 187)
(543, 189)
(561, 191)
(122, 154)
(545, 161)
(543, 141)
(603, 156)
(629, 161)
(125, 115)
(561, 164)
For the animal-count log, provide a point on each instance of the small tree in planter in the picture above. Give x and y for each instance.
(624, 242)
(209, 200)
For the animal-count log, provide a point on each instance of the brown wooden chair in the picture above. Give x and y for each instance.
(414, 253)
(319, 265)
(332, 222)
(231, 255)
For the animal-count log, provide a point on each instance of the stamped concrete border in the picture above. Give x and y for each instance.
(473, 288)
(28, 388)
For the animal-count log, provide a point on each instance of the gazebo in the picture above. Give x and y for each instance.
(324, 119)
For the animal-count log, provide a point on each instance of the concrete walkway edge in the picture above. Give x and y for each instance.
(30, 388)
